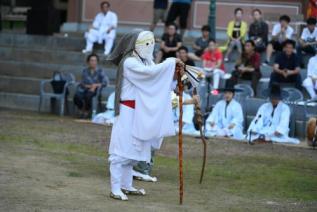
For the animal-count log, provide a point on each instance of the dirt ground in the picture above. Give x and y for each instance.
(48, 163)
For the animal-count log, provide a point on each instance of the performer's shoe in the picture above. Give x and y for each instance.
(121, 197)
(134, 191)
(143, 177)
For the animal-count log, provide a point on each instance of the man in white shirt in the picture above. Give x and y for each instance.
(226, 119)
(310, 83)
(281, 32)
(103, 29)
(271, 122)
(308, 39)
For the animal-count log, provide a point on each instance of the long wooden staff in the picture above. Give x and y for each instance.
(180, 138)
(199, 121)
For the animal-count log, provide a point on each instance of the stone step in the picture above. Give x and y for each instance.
(69, 41)
(42, 42)
(22, 85)
(26, 85)
(46, 56)
(70, 59)
(20, 101)
(44, 70)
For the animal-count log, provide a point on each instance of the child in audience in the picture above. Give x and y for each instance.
(213, 64)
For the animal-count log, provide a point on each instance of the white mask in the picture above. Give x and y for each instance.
(144, 45)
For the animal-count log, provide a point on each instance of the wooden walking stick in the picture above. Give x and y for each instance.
(198, 121)
(180, 138)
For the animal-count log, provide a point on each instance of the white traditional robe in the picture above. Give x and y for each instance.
(106, 117)
(136, 131)
(266, 124)
(308, 83)
(188, 115)
(223, 116)
(98, 32)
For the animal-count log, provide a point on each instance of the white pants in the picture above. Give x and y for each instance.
(121, 173)
(235, 132)
(95, 36)
(217, 74)
(310, 87)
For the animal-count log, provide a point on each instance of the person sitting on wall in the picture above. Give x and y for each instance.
(308, 40)
(171, 42)
(236, 31)
(280, 33)
(286, 67)
(103, 29)
(248, 66)
(258, 31)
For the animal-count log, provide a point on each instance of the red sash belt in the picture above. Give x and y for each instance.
(128, 103)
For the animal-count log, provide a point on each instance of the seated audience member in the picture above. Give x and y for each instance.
(258, 31)
(107, 117)
(248, 66)
(281, 32)
(171, 41)
(103, 29)
(310, 83)
(183, 55)
(159, 12)
(213, 64)
(93, 78)
(308, 39)
(236, 31)
(189, 103)
(286, 67)
(271, 122)
(226, 118)
(201, 43)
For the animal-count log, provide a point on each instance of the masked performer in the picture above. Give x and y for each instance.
(143, 108)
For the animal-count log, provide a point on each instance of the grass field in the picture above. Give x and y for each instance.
(48, 163)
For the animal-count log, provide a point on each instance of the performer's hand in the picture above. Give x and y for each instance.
(180, 67)
(196, 99)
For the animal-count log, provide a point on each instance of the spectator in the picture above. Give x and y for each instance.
(281, 32)
(248, 66)
(171, 41)
(308, 39)
(271, 122)
(312, 9)
(286, 66)
(179, 8)
(213, 64)
(103, 29)
(310, 83)
(226, 119)
(183, 55)
(258, 31)
(159, 12)
(93, 78)
(236, 31)
(201, 43)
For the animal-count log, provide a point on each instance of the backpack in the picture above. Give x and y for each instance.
(58, 82)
